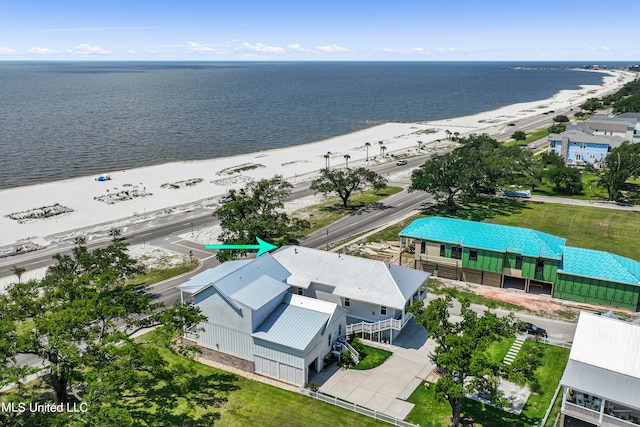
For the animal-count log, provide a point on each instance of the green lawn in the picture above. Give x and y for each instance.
(429, 412)
(499, 349)
(159, 274)
(373, 357)
(548, 377)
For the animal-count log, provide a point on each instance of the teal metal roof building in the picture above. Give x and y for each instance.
(521, 258)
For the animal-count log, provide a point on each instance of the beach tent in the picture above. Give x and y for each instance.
(103, 178)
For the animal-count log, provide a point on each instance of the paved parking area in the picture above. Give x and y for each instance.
(385, 388)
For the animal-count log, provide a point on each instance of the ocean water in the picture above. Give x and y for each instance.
(68, 119)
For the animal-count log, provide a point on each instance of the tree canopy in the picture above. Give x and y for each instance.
(479, 163)
(79, 317)
(258, 211)
(345, 182)
(460, 351)
(622, 163)
(519, 135)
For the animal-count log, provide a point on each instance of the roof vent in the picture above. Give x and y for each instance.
(295, 251)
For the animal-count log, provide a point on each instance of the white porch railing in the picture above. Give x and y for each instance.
(589, 415)
(355, 356)
(382, 325)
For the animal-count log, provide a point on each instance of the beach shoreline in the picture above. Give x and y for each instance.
(34, 213)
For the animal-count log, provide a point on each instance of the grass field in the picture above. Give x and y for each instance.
(430, 412)
(373, 357)
(159, 274)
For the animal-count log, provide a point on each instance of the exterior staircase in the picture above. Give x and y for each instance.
(514, 350)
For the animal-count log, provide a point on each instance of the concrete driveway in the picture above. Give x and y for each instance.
(385, 388)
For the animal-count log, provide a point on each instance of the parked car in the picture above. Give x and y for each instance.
(530, 329)
(401, 162)
(224, 199)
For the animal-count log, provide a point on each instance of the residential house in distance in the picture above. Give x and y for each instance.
(521, 258)
(626, 126)
(601, 382)
(280, 315)
(581, 146)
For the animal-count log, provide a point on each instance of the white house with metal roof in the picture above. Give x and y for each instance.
(376, 294)
(601, 382)
(280, 314)
(256, 324)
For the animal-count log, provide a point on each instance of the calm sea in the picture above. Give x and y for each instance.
(61, 120)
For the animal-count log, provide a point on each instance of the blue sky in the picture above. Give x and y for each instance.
(541, 30)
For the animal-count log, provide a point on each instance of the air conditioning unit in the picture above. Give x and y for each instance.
(337, 347)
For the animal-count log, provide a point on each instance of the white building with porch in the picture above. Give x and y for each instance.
(601, 383)
(376, 294)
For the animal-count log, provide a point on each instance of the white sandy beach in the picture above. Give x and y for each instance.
(299, 163)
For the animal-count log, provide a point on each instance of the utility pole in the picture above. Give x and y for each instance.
(327, 238)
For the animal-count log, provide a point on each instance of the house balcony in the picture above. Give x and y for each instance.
(600, 412)
(371, 328)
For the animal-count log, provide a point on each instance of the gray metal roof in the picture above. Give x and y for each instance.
(292, 326)
(613, 386)
(232, 276)
(259, 292)
(202, 280)
(576, 135)
(352, 277)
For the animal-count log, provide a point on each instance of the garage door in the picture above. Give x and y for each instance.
(274, 369)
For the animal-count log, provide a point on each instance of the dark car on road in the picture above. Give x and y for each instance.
(530, 329)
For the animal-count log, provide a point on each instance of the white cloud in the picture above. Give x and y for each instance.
(332, 48)
(262, 48)
(296, 47)
(6, 51)
(447, 50)
(200, 48)
(132, 52)
(414, 51)
(87, 49)
(601, 49)
(42, 51)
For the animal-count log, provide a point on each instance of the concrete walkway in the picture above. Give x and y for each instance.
(385, 388)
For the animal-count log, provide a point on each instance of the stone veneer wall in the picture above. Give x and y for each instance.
(224, 358)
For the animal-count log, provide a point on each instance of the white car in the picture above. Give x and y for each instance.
(401, 162)
(224, 199)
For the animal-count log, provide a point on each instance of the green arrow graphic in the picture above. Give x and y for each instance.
(262, 247)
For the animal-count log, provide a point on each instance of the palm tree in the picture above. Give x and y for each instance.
(326, 159)
(420, 145)
(456, 136)
(448, 132)
(383, 149)
(18, 271)
(380, 143)
(367, 145)
(346, 160)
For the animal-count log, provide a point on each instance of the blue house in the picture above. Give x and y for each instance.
(579, 146)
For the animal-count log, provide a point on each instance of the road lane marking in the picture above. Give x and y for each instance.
(193, 249)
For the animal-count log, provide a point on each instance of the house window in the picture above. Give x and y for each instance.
(442, 253)
(552, 144)
(578, 156)
(340, 329)
(473, 255)
(456, 252)
(518, 262)
(329, 340)
(423, 247)
(383, 310)
(540, 267)
(592, 156)
(300, 292)
(347, 302)
(583, 145)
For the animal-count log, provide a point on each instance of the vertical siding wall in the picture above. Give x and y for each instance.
(227, 340)
(596, 291)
